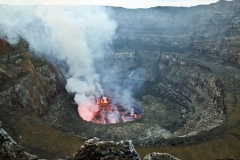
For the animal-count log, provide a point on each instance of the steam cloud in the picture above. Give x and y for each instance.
(78, 35)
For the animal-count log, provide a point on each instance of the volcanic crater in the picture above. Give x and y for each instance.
(182, 76)
(175, 97)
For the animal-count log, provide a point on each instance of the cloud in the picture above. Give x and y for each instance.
(122, 3)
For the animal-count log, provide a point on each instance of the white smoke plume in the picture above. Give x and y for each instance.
(78, 35)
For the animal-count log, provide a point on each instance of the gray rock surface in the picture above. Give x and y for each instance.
(211, 30)
(26, 81)
(4, 136)
(106, 150)
(159, 156)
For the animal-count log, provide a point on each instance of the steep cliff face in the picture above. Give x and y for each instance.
(217, 34)
(3, 46)
(26, 81)
(211, 30)
(28, 85)
(200, 86)
(182, 81)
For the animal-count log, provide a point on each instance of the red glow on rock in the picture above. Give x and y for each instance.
(108, 113)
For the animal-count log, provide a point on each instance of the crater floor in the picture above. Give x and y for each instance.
(178, 103)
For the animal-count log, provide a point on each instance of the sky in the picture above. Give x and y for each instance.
(121, 3)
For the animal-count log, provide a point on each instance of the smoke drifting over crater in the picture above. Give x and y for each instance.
(78, 35)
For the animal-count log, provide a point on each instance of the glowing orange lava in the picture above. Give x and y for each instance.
(114, 113)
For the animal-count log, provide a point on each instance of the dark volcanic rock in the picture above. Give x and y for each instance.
(9, 150)
(26, 81)
(159, 156)
(106, 150)
(4, 136)
(200, 86)
(211, 30)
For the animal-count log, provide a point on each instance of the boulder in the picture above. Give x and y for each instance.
(159, 156)
(106, 150)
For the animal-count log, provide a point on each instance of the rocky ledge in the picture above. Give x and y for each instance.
(107, 150)
(92, 149)
(9, 150)
(159, 156)
(97, 149)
